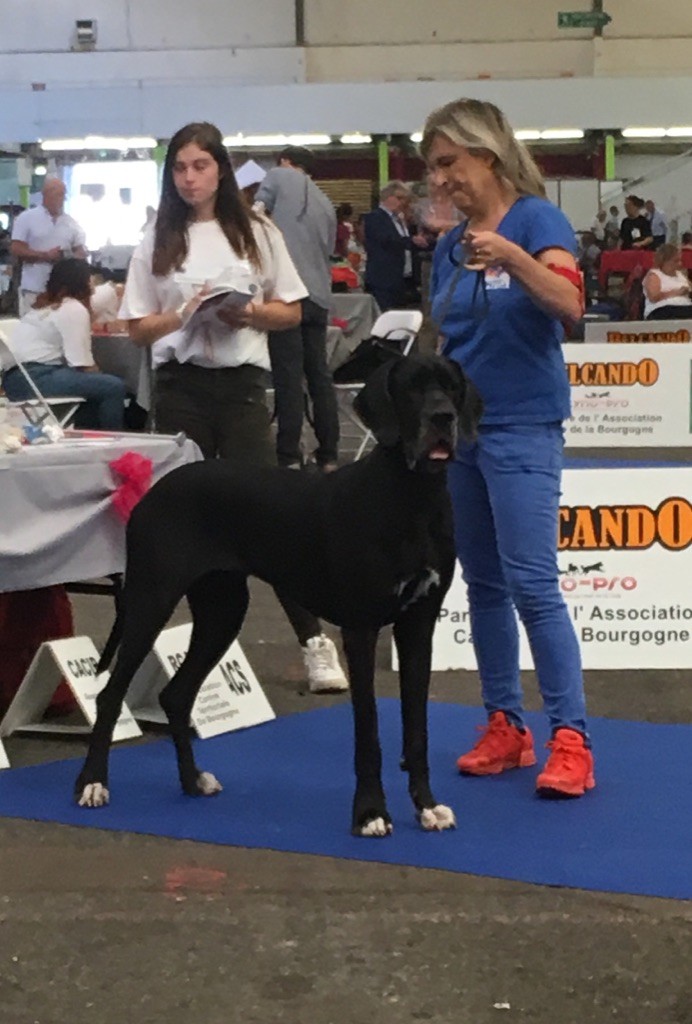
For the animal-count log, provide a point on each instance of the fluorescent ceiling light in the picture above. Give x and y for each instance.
(98, 142)
(562, 133)
(676, 132)
(356, 139)
(643, 133)
(527, 135)
(416, 137)
(236, 141)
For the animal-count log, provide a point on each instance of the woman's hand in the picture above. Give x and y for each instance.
(238, 316)
(188, 308)
(488, 249)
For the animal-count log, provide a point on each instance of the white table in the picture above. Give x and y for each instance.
(359, 310)
(117, 354)
(58, 522)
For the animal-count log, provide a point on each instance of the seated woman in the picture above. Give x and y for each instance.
(53, 341)
(666, 287)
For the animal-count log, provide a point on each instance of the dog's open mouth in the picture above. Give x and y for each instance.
(440, 451)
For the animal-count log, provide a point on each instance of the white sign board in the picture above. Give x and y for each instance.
(73, 659)
(628, 332)
(230, 697)
(625, 563)
(629, 395)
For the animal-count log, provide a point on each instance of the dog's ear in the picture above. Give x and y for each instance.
(470, 404)
(374, 405)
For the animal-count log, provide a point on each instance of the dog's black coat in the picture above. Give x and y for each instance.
(367, 545)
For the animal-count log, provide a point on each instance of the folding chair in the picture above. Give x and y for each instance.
(38, 410)
(400, 325)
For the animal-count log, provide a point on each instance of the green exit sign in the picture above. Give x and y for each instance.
(582, 19)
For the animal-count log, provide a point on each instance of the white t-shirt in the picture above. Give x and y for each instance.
(668, 283)
(58, 336)
(104, 303)
(42, 232)
(209, 255)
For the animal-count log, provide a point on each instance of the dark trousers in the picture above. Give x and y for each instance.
(224, 411)
(671, 313)
(296, 355)
(404, 297)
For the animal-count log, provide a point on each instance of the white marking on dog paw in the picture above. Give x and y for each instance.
(208, 784)
(438, 818)
(94, 795)
(377, 827)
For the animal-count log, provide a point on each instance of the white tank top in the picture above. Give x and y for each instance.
(668, 283)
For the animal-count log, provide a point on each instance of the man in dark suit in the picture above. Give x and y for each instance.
(390, 271)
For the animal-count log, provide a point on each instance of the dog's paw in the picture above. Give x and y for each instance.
(438, 818)
(94, 794)
(376, 827)
(208, 784)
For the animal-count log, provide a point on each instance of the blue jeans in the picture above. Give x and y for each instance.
(104, 393)
(505, 493)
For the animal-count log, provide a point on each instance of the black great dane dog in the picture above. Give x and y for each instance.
(365, 546)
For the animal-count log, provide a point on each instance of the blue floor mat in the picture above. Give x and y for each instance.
(288, 786)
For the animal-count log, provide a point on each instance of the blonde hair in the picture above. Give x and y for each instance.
(664, 253)
(479, 125)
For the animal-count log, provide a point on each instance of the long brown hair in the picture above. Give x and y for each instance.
(479, 125)
(69, 279)
(174, 215)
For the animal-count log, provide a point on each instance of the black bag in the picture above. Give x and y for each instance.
(368, 356)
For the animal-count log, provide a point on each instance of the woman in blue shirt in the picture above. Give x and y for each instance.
(502, 282)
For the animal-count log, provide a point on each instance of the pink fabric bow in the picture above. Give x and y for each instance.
(136, 473)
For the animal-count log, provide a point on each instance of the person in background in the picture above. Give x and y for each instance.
(210, 376)
(667, 287)
(612, 228)
(306, 218)
(344, 230)
(53, 341)
(598, 227)
(502, 284)
(106, 297)
(390, 270)
(42, 236)
(635, 230)
(659, 225)
(686, 240)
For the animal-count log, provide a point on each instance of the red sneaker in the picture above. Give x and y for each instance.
(501, 746)
(569, 768)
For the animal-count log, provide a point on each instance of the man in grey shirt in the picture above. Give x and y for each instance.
(307, 220)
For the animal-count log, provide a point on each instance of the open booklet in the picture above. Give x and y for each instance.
(220, 297)
(234, 287)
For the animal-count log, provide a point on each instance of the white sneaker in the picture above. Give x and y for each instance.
(322, 662)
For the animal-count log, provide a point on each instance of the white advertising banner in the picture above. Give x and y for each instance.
(629, 396)
(625, 563)
(638, 332)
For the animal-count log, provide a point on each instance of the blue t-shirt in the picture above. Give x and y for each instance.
(507, 346)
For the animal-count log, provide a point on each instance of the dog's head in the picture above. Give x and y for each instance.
(422, 403)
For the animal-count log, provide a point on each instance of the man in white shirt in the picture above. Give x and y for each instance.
(659, 225)
(40, 237)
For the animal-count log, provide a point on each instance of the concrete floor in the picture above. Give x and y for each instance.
(103, 928)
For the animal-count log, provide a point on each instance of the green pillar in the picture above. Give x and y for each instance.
(24, 193)
(383, 162)
(609, 160)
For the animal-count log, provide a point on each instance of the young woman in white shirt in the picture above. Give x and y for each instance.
(210, 379)
(53, 341)
(667, 287)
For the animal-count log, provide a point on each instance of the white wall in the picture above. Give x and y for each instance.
(159, 63)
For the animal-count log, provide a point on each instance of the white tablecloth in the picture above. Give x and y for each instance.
(57, 519)
(116, 354)
(359, 310)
